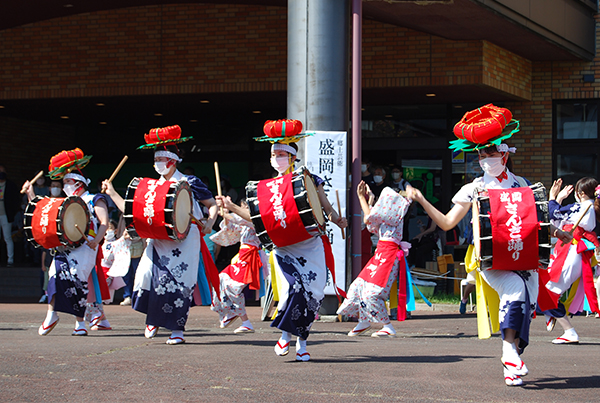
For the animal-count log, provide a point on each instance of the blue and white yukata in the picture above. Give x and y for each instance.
(517, 290)
(301, 277)
(168, 270)
(71, 268)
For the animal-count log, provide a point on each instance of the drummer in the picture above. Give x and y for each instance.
(168, 270)
(300, 268)
(70, 271)
(516, 290)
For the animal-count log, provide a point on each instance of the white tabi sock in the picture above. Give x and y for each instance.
(51, 317)
(176, 333)
(79, 325)
(363, 324)
(300, 344)
(571, 332)
(509, 352)
(389, 328)
(285, 337)
(247, 324)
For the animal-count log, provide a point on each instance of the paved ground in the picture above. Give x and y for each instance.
(436, 357)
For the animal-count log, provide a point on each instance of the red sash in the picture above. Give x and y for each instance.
(247, 268)
(330, 263)
(549, 300)
(379, 269)
(101, 273)
(212, 273)
(514, 229)
(279, 212)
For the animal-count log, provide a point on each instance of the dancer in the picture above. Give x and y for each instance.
(570, 262)
(368, 292)
(518, 289)
(168, 270)
(300, 269)
(246, 269)
(72, 269)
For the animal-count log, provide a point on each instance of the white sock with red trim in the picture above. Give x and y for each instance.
(247, 324)
(176, 333)
(285, 337)
(80, 325)
(389, 328)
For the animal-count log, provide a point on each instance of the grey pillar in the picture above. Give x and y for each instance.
(318, 71)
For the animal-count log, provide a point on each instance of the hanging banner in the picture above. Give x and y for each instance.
(326, 156)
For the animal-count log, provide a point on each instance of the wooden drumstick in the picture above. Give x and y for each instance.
(195, 220)
(578, 221)
(218, 176)
(38, 176)
(116, 171)
(81, 232)
(337, 195)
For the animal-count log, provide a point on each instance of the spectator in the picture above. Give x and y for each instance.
(398, 182)
(379, 180)
(366, 175)
(9, 206)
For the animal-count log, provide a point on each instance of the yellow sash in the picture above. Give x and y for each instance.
(488, 301)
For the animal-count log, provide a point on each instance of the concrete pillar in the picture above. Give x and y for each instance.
(317, 91)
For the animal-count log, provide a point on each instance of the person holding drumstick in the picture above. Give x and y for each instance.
(571, 262)
(301, 268)
(516, 290)
(71, 269)
(168, 270)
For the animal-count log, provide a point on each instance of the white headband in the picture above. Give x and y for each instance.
(283, 147)
(77, 177)
(168, 154)
(503, 148)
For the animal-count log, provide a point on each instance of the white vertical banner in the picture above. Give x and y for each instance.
(326, 157)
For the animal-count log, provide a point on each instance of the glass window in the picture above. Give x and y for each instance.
(575, 166)
(577, 121)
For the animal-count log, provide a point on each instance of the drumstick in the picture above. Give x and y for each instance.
(195, 220)
(218, 176)
(578, 221)
(337, 195)
(81, 232)
(38, 176)
(116, 171)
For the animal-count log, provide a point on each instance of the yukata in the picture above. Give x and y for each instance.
(168, 270)
(246, 269)
(72, 270)
(572, 263)
(116, 258)
(300, 272)
(509, 296)
(367, 294)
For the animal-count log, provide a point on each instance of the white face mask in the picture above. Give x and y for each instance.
(110, 235)
(396, 175)
(493, 166)
(161, 167)
(70, 189)
(280, 164)
(378, 178)
(55, 191)
(363, 168)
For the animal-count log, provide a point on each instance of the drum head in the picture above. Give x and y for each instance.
(182, 210)
(74, 213)
(313, 198)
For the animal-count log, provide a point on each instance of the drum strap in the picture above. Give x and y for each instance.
(330, 262)
(250, 255)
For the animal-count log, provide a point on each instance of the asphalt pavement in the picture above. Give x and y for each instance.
(436, 357)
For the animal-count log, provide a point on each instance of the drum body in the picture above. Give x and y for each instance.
(158, 210)
(303, 199)
(483, 221)
(50, 222)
